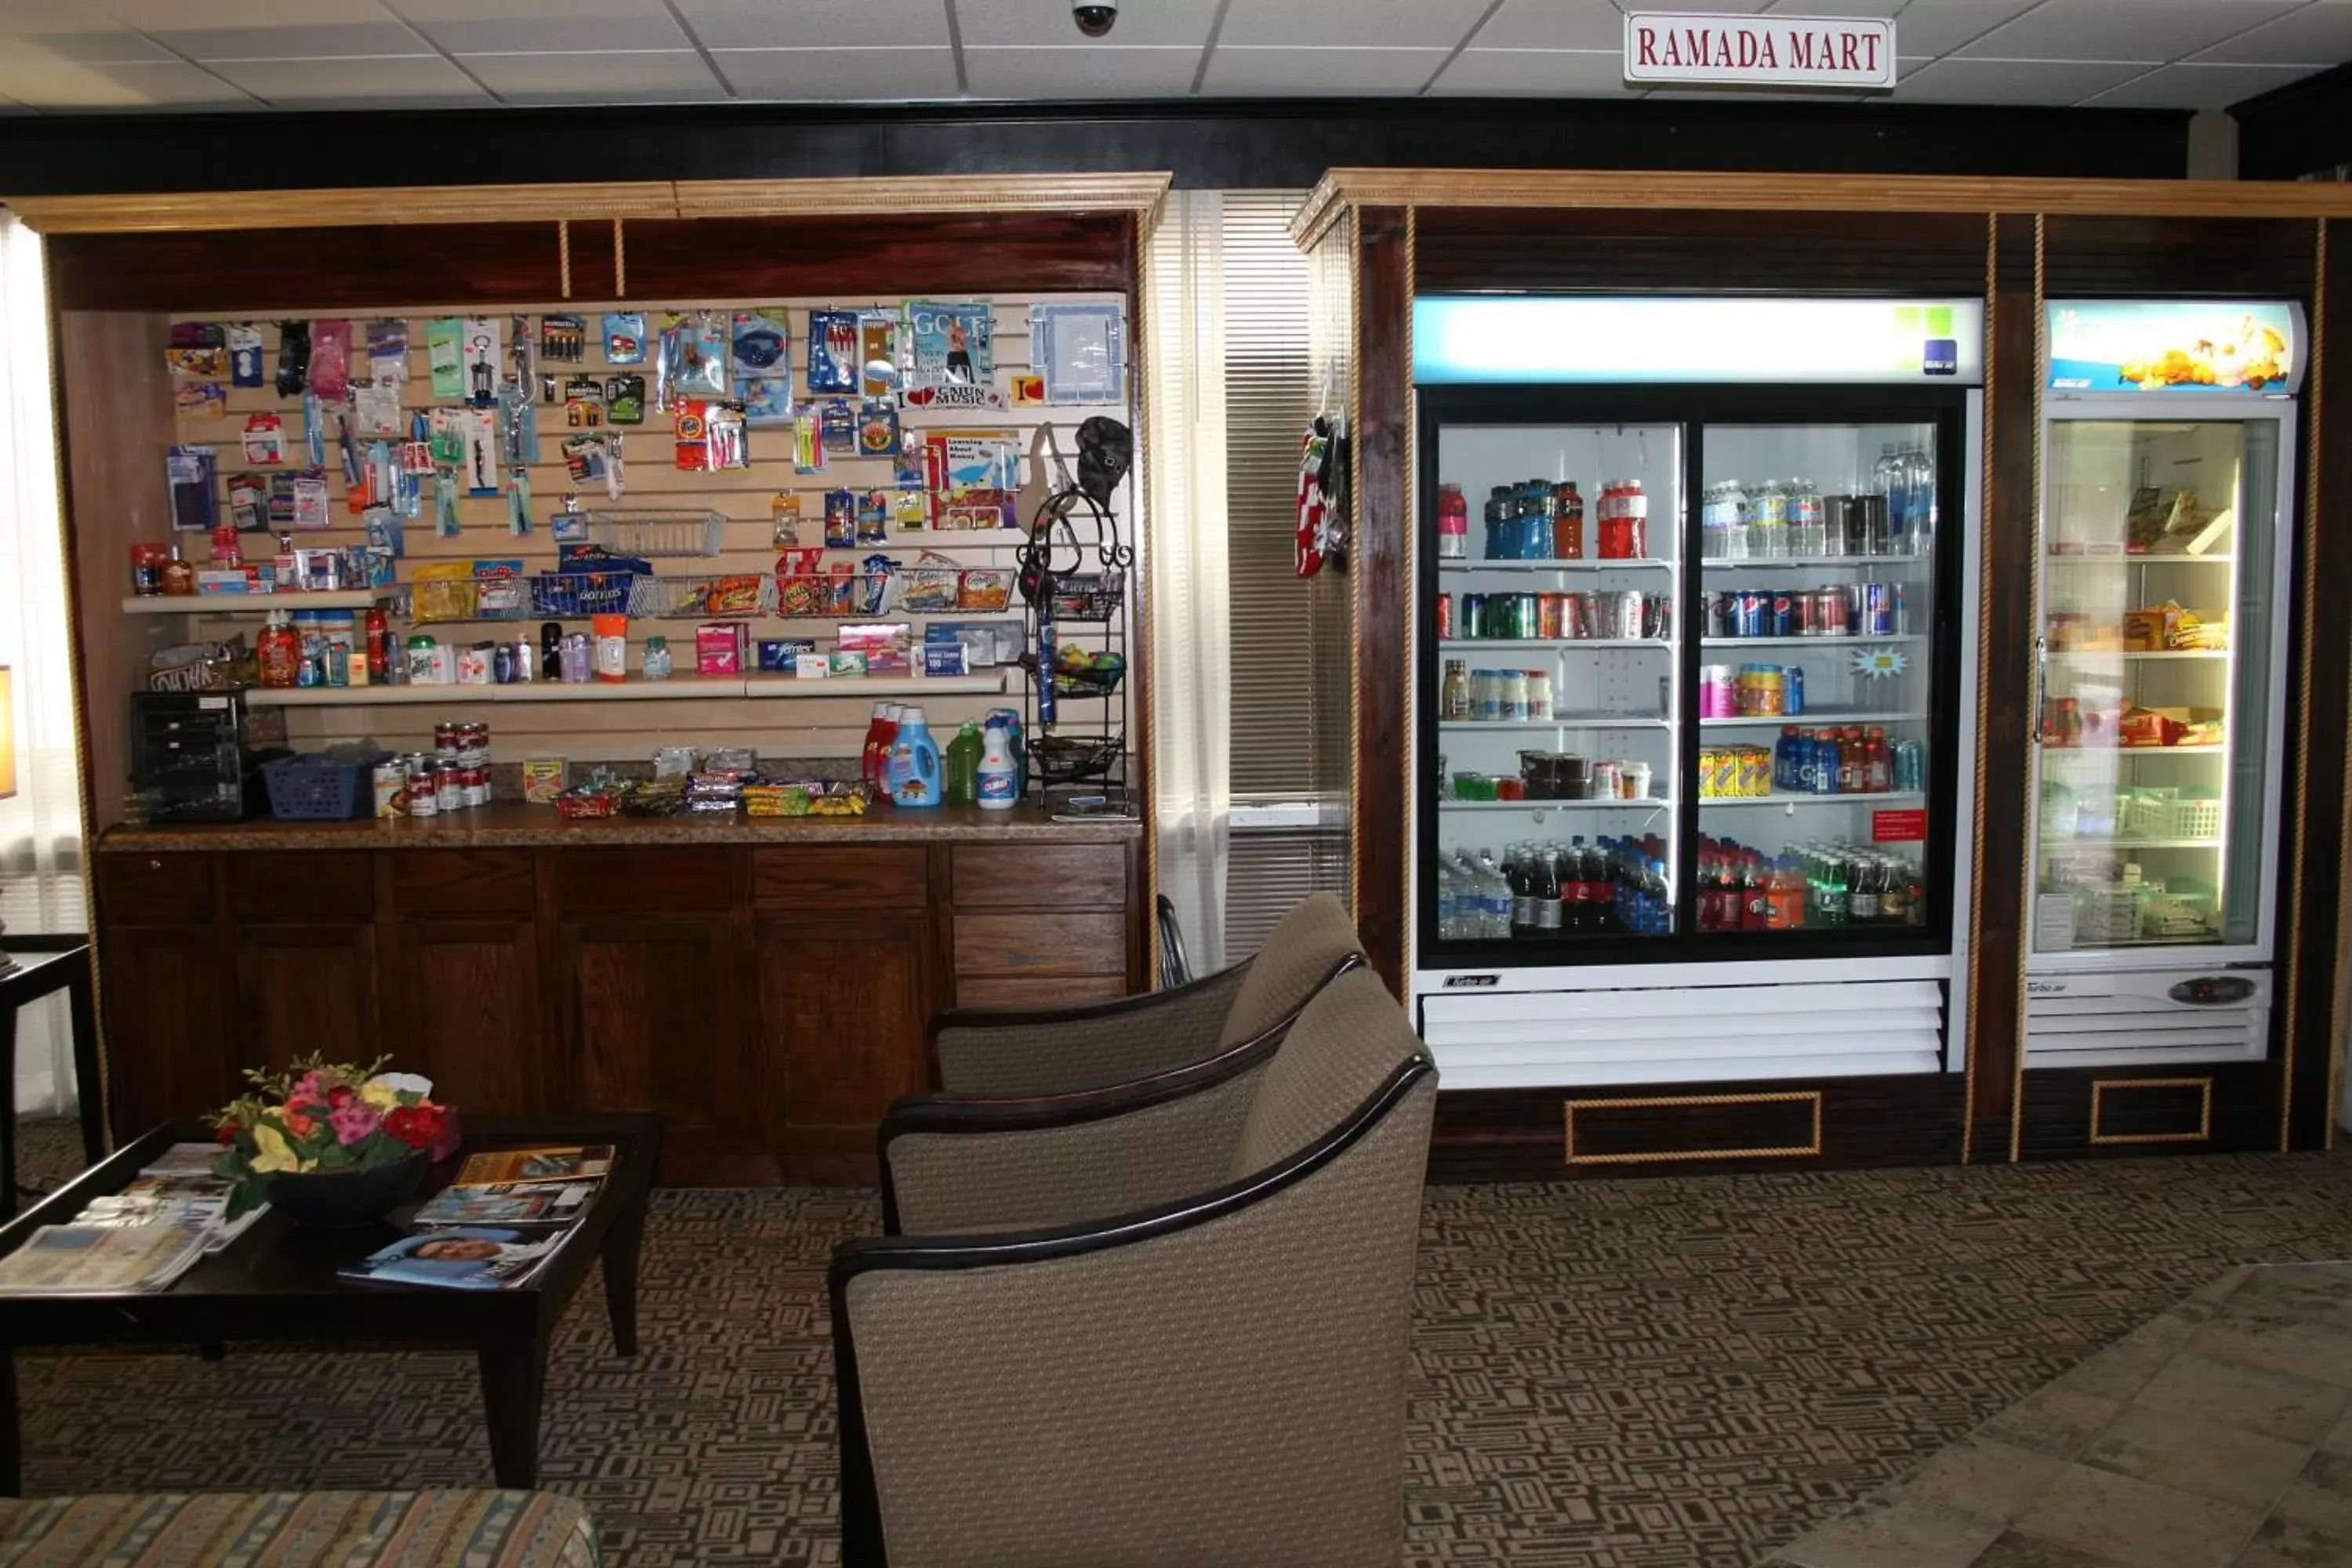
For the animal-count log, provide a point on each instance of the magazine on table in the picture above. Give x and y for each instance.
(534, 1204)
(566, 1162)
(178, 1187)
(466, 1257)
(100, 1259)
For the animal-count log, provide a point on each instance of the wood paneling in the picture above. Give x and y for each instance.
(865, 876)
(1649, 250)
(1072, 875)
(1069, 991)
(300, 990)
(463, 1004)
(1384, 533)
(173, 888)
(114, 406)
(299, 270)
(1040, 942)
(2151, 256)
(2057, 1122)
(654, 882)
(843, 1002)
(919, 254)
(462, 882)
(334, 884)
(166, 1022)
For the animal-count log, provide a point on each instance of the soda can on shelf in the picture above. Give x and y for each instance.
(1718, 616)
(1829, 608)
(1910, 766)
(1576, 618)
(1526, 619)
(1878, 609)
(1658, 615)
(1445, 617)
(1747, 616)
(1784, 614)
(1792, 690)
(1551, 615)
(1474, 615)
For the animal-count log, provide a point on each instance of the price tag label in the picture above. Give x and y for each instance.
(1898, 826)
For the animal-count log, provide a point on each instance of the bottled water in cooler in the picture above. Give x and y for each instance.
(1907, 478)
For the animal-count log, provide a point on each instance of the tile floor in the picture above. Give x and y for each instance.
(2218, 1434)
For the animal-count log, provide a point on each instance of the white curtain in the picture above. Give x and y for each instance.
(1191, 730)
(40, 825)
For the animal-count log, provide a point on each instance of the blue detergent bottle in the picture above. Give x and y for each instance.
(915, 774)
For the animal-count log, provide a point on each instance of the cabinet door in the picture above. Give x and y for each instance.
(844, 1001)
(163, 998)
(303, 989)
(650, 1023)
(462, 1005)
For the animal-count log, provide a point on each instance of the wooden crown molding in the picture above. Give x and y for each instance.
(405, 204)
(1340, 189)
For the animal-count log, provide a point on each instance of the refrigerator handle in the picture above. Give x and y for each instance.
(2034, 698)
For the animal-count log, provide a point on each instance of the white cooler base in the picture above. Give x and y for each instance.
(1688, 1034)
(2136, 1020)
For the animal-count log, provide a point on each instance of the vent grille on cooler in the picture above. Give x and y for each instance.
(2130, 1030)
(1687, 1034)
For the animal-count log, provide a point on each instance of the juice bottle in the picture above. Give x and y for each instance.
(1567, 523)
(1880, 768)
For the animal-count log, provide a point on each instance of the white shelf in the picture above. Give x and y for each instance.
(1791, 798)
(2061, 844)
(1741, 563)
(1613, 803)
(1835, 642)
(1560, 721)
(2055, 558)
(1808, 717)
(1582, 564)
(2053, 752)
(680, 689)
(1506, 644)
(250, 603)
(2079, 655)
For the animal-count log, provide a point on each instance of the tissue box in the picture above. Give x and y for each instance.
(780, 655)
(887, 646)
(719, 648)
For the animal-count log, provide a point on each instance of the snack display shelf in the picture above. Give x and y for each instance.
(1792, 798)
(1835, 642)
(679, 689)
(1504, 645)
(2075, 655)
(1562, 721)
(1612, 802)
(1579, 563)
(249, 604)
(1807, 719)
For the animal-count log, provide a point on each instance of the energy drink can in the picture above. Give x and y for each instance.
(1445, 617)
(1474, 615)
(1792, 690)
(1877, 610)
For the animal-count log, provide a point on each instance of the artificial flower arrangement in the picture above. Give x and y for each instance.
(322, 1117)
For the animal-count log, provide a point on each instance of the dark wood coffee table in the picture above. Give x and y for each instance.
(276, 1283)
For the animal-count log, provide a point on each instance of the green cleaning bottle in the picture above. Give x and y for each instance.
(963, 765)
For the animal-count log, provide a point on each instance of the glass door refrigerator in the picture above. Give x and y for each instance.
(2161, 624)
(1691, 579)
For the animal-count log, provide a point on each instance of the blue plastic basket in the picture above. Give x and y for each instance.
(316, 788)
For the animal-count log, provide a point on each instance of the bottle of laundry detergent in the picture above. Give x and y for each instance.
(1000, 775)
(914, 776)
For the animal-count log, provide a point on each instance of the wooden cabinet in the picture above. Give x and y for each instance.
(844, 1001)
(164, 992)
(302, 990)
(463, 1005)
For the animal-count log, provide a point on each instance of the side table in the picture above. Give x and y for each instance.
(47, 964)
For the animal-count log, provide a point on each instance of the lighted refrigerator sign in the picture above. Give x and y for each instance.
(2176, 345)
(1522, 338)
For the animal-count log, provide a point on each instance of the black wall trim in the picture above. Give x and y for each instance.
(2297, 130)
(1227, 143)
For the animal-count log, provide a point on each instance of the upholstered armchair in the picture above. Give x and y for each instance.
(1120, 1331)
(998, 1052)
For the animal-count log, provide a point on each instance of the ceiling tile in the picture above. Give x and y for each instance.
(2119, 29)
(815, 24)
(552, 26)
(1358, 72)
(1554, 25)
(1546, 73)
(1431, 24)
(410, 79)
(343, 40)
(620, 76)
(2317, 35)
(1030, 22)
(2008, 82)
(1930, 27)
(157, 16)
(1090, 70)
(2198, 86)
(865, 76)
(48, 84)
(82, 48)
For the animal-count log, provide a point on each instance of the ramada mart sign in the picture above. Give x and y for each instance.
(1759, 51)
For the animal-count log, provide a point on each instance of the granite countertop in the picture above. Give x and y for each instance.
(510, 824)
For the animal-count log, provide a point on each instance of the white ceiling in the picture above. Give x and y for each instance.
(65, 56)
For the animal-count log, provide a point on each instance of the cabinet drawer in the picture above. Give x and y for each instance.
(1040, 876)
(642, 881)
(463, 881)
(1039, 944)
(333, 884)
(1028, 995)
(171, 888)
(881, 876)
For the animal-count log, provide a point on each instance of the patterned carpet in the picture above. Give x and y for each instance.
(1665, 1374)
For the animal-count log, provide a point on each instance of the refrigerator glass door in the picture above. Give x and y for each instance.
(2158, 684)
(1817, 684)
(1558, 572)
